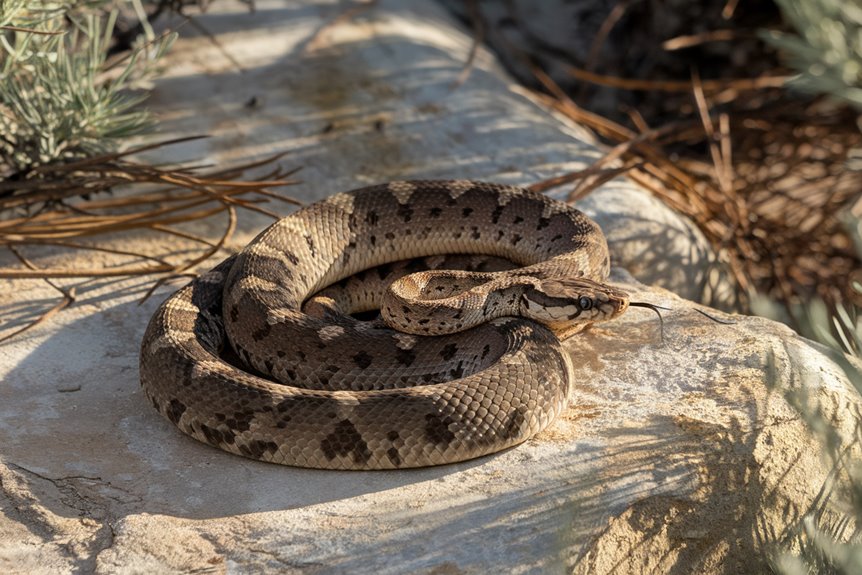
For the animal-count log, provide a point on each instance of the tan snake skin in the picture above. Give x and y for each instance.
(319, 388)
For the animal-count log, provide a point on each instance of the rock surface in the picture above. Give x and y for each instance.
(676, 454)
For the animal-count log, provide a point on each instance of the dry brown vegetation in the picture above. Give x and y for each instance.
(765, 172)
(73, 206)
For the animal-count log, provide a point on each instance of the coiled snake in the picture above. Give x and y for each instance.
(320, 388)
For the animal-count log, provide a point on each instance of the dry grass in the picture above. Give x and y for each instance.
(762, 171)
(762, 174)
(68, 206)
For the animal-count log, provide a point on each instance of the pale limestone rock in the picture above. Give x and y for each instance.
(674, 454)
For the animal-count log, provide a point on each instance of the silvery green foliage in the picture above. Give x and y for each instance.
(828, 538)
(60, 96)
(827, 46)
(825, 540)
(827, 51)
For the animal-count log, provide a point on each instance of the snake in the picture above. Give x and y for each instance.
(277, 354)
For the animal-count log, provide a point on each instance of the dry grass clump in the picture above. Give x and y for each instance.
(766, 173)
(70, 206)
(56, 206)
(768, 182)
(765, 170)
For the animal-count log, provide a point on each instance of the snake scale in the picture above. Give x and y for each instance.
(234, 359)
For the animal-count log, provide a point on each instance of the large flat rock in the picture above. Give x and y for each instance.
(678, 453)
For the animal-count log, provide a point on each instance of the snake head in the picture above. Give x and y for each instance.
(569, 305)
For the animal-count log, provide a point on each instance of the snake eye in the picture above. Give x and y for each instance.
(585, 303)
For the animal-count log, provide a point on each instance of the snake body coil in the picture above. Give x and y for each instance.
(329, 391)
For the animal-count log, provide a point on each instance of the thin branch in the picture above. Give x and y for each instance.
(33, 31)
(611, 20)
(740, 84)
(681, 42)
(67, 300)
(478, 39)
(720, 173)
(316, 42)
